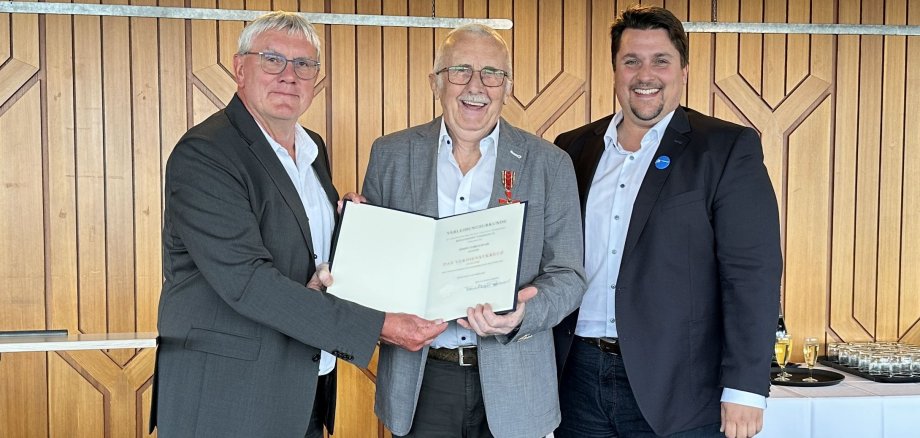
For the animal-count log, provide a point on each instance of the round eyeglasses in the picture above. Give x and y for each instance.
(275, 63)
(462, 74)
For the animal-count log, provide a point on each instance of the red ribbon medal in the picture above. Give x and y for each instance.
(508, 183)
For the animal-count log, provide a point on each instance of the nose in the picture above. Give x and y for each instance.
(475, 82)
(288, 72)
(645, 71)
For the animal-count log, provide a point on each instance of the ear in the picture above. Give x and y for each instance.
(238, 69)
(685, 72)
(509, 86)
(433, 83)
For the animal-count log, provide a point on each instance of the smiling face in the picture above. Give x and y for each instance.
(648, 78)
(279, 99)
(471, 111)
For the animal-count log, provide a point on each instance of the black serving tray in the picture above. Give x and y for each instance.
(856, 372)
(825, 377)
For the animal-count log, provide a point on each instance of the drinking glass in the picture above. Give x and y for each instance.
(810, 349)
(833, 351)
(782, 348)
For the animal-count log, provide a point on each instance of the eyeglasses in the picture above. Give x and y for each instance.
(462, 74)
(275, 63)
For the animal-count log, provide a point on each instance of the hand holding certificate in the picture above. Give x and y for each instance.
(395, 261)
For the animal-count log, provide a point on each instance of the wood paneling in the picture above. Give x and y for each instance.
(91, 107)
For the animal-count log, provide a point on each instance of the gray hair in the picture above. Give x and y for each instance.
(478, 30)
(292, 22)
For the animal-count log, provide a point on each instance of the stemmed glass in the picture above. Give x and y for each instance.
(782, 348)
(810, 348)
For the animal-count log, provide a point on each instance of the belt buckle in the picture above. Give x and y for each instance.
(460, 359)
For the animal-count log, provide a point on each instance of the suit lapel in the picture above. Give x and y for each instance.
(423, 163)
(672, 144)
(510, 155)
(249, 131)
(321, 167)
(588, 159)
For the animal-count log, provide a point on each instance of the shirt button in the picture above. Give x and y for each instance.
(613, 320)
(631, 157)
(613, 286)
(462, 198)
(622, 185)
(613, 251)
(463, 338)
(616, 218)
(315, 257)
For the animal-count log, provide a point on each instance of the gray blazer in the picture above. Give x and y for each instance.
(240, 334)
(518, 375)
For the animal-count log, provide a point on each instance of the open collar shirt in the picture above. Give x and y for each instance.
(459, 193)
(314, 200)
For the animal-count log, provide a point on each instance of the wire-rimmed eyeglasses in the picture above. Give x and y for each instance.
(275, 63)
(462, 74)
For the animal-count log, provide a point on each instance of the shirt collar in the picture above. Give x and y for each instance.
(306, 149)
(653, 136)
(486, 146)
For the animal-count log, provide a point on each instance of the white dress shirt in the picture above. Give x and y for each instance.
(459, 193)
(314, 200)
(608, 211)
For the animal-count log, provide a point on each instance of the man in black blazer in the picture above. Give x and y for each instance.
(250, 209)
(682, 254)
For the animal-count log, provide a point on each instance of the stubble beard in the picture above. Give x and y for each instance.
(647, 115)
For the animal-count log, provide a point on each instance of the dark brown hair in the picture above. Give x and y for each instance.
(646, 18)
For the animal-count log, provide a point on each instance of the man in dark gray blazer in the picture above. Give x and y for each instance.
(249, 211)
(487, 375)
(682, 253)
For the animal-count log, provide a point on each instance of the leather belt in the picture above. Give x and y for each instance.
(607, 345)
(463, 356)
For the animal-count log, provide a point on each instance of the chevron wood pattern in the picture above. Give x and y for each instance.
(91, 107)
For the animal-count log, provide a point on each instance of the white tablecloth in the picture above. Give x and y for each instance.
(855, 407)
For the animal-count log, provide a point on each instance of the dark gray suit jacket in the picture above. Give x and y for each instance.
(698, 289)
(518, 376)
(239, 333)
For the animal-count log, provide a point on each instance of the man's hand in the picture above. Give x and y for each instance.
(484, 322)
(409, 331)
(353, 197)
(740, 421)
(321, 279)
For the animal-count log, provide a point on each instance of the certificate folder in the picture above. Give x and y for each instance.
(395, 261)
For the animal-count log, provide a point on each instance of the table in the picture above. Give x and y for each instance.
(103, 341)
(855, 407)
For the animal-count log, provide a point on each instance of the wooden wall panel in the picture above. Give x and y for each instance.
(90, 109)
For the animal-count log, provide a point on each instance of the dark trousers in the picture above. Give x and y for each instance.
(321, 405)
(450, 403)
(597, 401)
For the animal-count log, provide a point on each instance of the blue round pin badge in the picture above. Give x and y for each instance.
(662, 162)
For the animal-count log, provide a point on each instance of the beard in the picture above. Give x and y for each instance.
(647, 114)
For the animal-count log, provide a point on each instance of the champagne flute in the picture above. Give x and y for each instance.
(782, 348)
(810, 349)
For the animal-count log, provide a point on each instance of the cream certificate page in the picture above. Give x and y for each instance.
(396, 261)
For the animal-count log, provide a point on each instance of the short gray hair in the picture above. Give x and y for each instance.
(479, 30)
(292, 22)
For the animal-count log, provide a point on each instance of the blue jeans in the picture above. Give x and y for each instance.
(597, 400)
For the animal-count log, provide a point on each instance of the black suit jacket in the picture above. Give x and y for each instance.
(239, 333)
(698, 288)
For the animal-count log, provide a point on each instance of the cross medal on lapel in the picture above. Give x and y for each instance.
(508, 178)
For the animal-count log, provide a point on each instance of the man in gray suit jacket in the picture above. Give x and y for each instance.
(489, 375)
(249, 211)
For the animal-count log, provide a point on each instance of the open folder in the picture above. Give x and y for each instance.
(395, 261)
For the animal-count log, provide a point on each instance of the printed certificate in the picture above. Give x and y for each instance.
(395, 261)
